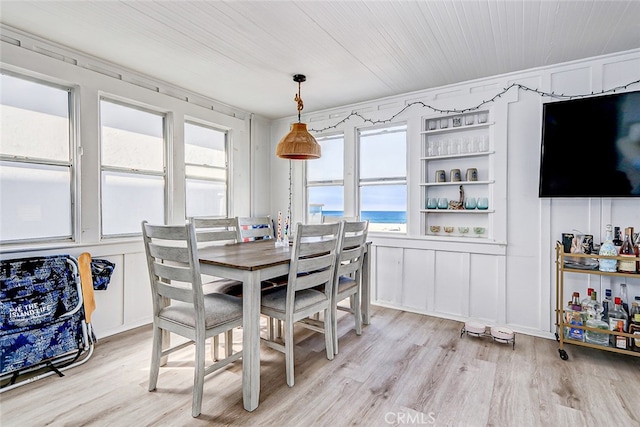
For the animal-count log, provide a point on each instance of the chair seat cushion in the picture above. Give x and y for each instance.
(218, 308)
(276, 300)
(345, 283)
(223, 286)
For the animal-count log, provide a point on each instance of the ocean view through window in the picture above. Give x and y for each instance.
(383, 178)
(325, 179)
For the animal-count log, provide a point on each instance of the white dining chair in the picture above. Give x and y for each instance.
(348, 275)
(261, 227)
(211, 231)
(179, 305)
(254, 228)
(313, 261)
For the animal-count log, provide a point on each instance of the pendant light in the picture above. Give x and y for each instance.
(298, 144)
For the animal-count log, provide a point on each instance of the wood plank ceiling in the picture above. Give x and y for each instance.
(243, 53)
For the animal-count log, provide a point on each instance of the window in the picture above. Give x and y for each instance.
(132, 168)
(205, 160)
(383, 178)
(325, 180)
(36, 165)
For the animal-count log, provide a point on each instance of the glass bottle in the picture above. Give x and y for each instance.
(573, 316)
(617, 322)
(606, 303)
(585, 301)
(617, 240)
(594, 320)
(608, 249)
(593, 306)
(634, 325)
(624, 298)
(636, 248)
(627, 250)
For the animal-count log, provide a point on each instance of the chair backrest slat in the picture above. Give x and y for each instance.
(252, 228)
(172, 272)
(314, 279)
(174, 292)
(321, 262)
(307, 248)
(167, 232)
(169, 253)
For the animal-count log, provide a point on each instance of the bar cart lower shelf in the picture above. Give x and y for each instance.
(561, 270)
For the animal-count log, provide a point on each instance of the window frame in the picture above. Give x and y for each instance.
(227, 161)
(325, 182)
(71, 164)
(396, 180)
(164, 174)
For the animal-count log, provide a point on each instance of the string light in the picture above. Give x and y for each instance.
(290, 192)
(470, 109)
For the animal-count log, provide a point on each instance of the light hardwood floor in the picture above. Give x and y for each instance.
(406, 369)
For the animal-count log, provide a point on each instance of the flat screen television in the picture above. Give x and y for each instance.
(591, 147)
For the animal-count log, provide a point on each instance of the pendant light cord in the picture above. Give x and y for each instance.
(298, 99)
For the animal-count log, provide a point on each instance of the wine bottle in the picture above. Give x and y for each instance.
(627, 250)
(617, 240)
(634, 325)
(636, 247)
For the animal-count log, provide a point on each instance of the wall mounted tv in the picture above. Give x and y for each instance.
(591, 147)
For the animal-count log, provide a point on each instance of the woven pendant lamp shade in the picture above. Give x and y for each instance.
(298, 144)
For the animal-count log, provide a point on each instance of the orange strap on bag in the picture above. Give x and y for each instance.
(84, 263)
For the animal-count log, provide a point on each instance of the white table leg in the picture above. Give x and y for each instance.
(366, 285)
(251, 340)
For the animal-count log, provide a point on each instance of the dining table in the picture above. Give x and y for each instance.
(251, 263)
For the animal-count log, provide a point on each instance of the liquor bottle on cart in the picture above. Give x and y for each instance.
(574, 316)
(624, 298)
(594, 320)
(634, 326)
(617, 238)
(618, 322)
(607, 303)
(636, 248)
(608, 249)
(586, 301)
(627, 250)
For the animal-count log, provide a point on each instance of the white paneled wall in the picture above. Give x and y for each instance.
(512, 282)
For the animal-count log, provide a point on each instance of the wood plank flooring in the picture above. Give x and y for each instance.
(406, 369)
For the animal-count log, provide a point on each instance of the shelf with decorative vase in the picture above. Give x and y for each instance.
(457, 154)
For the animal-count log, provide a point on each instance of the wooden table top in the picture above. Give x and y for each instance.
(250, 256)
